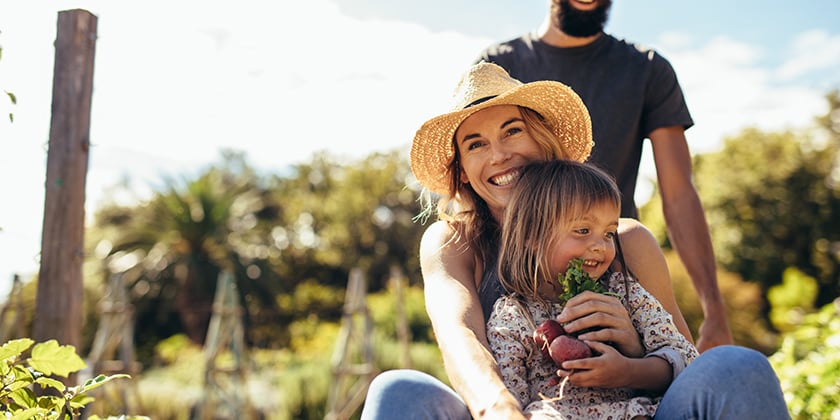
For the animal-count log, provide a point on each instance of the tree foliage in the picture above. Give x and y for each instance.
(340, 216)
(172, 248)
(772, 201)
(744, 302)
(290, 240)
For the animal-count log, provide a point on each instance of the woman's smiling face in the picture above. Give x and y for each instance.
(494, 144)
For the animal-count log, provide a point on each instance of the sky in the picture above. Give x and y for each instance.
(177, 82)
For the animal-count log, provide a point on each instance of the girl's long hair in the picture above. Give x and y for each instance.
(547, 197)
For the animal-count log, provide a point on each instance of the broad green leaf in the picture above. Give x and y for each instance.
(51, 383)
(29, 413)
(19, 377)
(98, 381)
(24, 397)
(15, 347)
(5, 368)
(79, 401)
(51, 402)
(51, 358)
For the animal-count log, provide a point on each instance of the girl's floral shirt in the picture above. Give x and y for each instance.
(531, 376)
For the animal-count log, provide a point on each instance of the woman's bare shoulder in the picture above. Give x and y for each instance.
(634, 234)
(440, 236)
(444, 254)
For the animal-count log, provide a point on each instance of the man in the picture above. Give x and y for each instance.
(632, 93)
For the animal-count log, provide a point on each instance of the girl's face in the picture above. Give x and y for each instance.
(589, 237)
(494, 145)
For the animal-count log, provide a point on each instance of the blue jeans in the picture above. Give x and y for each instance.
(725, 382)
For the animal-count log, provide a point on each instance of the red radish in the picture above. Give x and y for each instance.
(566, 347)
(546, 333)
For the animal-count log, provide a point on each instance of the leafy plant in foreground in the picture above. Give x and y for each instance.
(576, 281)
(21, 369)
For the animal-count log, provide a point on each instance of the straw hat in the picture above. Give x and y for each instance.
(486, 85)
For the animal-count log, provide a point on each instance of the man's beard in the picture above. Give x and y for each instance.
(581, 24)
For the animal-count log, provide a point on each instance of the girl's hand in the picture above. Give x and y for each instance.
(607, 370)
(607, 317)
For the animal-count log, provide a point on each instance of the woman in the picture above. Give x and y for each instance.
(470, 157)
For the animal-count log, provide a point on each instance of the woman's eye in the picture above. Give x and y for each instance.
(474, 145)
(610, 235)
(471, 144)
(513, 131)
(582, 231)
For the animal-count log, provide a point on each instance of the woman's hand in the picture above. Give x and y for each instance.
(607, 317)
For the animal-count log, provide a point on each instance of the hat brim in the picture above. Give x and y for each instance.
(432, 150)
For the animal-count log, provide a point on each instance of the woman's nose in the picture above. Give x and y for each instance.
(499, 153)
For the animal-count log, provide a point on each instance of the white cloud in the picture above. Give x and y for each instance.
(729, 86)
(811, 51)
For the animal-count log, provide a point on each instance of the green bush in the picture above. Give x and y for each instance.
(808, 365)
(23, 366)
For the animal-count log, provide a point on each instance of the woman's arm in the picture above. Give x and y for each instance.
(645, 260)
(449, 272)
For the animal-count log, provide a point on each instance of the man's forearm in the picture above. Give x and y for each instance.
(690, 236)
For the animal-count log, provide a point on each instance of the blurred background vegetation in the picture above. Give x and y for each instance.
(291, 238)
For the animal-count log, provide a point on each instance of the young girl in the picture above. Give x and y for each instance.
(560, 211)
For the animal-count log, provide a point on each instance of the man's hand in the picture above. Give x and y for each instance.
(714, 331)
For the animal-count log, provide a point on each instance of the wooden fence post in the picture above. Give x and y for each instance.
(113, 351)
(58, 309)
(14, 328)
(397, 282)
(225, 394)
(352, 362)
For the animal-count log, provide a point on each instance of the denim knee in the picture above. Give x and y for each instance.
(411, 394)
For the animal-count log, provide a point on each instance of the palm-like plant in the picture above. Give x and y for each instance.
(177, 243)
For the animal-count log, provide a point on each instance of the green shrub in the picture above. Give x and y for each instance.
(808, 365)
(23, 366)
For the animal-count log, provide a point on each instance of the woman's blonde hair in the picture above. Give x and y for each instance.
(466, 210)
(547, 197)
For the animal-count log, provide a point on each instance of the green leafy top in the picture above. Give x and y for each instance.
(576, 280)
(19, 374)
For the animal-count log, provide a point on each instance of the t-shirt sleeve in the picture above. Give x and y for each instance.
(665, 104)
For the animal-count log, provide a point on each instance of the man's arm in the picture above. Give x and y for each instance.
(645, 260)
(689, 231)
(455, 311)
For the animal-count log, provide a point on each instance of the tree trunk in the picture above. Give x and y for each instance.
(58, 311)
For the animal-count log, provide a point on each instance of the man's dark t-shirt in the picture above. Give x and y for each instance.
(629, 91)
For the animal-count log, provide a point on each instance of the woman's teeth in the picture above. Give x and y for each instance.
(505, 179)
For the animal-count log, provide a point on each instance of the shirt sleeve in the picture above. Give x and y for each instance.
(659, 333)
(664, 104)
